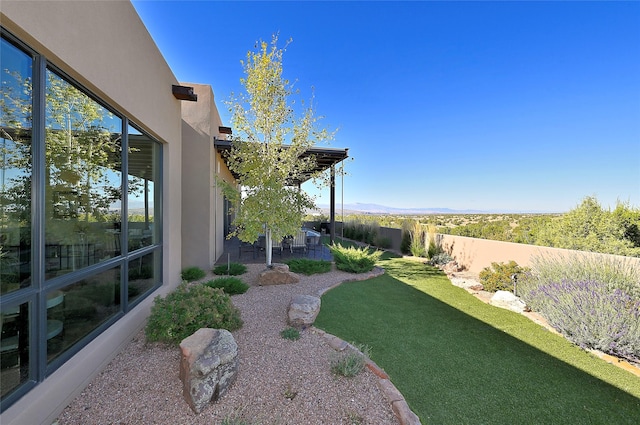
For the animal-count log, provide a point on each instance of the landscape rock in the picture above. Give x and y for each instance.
(278, 274)
(208, 366)
(303, 310)
(506, 299)
(451, 267)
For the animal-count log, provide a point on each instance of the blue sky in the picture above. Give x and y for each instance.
(497, 106)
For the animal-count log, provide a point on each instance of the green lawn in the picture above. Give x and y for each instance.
(458, 360)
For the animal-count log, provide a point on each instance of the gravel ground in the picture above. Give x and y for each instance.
(142, 386)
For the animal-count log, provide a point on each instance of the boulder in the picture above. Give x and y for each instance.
(278, 274)
(303, 310)
(208, 366)
(506, 299)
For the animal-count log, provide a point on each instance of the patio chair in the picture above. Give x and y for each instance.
(299, 241)
(314, 243)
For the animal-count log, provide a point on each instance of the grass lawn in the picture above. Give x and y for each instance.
(458, 360)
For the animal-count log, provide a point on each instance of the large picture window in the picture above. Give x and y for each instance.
(80, 217)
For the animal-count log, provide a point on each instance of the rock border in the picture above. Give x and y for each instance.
(399, 405)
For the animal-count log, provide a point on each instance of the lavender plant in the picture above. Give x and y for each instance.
(594, 301)
(591, 316)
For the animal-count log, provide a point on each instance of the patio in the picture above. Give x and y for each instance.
(236, 251)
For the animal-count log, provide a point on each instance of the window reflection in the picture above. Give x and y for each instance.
(144, 157)
(14, 347)
(15, 168)
(76, 310)
(83, 169)
(143, 275)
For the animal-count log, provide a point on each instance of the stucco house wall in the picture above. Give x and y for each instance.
(106, 48)
(203, 203)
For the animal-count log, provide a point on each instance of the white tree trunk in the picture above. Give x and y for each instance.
(267, 248)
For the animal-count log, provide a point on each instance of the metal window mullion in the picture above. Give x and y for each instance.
(124, 214)
(38, 331)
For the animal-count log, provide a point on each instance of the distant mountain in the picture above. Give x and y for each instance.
(361, 208)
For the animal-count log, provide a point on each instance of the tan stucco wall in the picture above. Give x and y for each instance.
(476, 254)
(105, 47)
(203, 212)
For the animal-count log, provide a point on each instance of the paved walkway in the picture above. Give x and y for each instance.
(237, 252)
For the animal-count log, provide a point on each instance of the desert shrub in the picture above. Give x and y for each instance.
(354, 260)
(307, 266)
(231, 269)
(290, 333)
(593, 301)
(405, 244)
(350, 363)
(383, 242)
(189, 308)
(417, 245)
(434, 247)
(615, 274)
(498, 277)
(591, 316)
(192, 273)
(440, 259)
(230, 285)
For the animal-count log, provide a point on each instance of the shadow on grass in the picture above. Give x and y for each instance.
(459, 361)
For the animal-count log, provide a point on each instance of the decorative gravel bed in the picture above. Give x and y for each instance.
(279, 382)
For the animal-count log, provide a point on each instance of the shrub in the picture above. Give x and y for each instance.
(350, 363)
(405, 244)
(593, 301)
(192, 273)
(434, 248)
(189, 308)
(383, 242)
(307, 266)
(498, 277)
(290, 333)
(232, 269)
(591, 316)
(230, 285)
(354, 260)
(440, 259)
(417, 247)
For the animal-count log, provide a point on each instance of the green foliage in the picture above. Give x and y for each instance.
(434, 247)
(232, 269)
(230, 285)
(290, 333)
(439, 259)
(417, 246)
(362, 229)
(405, 244)
(307, 266)
(350, 363)
(498, 277)
(263, 121)
(382, 242)
(189, 308)
(622, 274)
(354, 260)
(192, 273)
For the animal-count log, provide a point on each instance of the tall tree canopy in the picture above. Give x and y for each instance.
(268, 141)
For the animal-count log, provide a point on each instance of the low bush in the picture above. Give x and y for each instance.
(231, 269)
(307, 266)
(230, 285)
(290, 333)
(189, 308)
(350, 363)
(440, 259)
(354, 260)
(192, 273)
(593, 301)
(383, 242)
(498, 277)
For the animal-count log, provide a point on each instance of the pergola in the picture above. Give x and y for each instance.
(326, 158)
